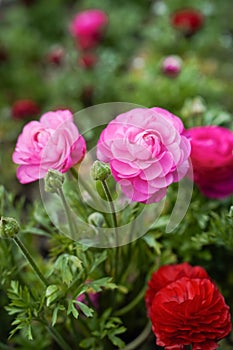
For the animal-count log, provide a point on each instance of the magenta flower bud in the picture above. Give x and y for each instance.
(87, 28)
(171, 66)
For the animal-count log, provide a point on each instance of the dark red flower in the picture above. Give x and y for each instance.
(23, 109)
(189, 21)
(168, 274)
(190, 311)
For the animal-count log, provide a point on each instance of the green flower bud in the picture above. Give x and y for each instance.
(53, 181)
(100, 171)
(96, 219)
(9, 227)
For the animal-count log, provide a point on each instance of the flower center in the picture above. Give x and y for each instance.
(41, 138)
(150, 140)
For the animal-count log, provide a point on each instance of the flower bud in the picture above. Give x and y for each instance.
(9, 227)
(100, 171)
(96, 219)
(53, 181)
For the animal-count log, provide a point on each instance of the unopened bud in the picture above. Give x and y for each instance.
(53, 181)
(96, 219)
(100, 171)
(198, 105)
(9, 227)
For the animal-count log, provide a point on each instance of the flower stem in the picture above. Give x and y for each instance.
(68, 213)
(30, 260)
(140, 339)
(58, 338)
(188, 347)
(114, 222)
(84, 184)
(132, 304)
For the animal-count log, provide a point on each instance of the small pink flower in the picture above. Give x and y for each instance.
(147, 151)
(87, 28)
(23, 109)
(171, 66)
(212, 160)
(54, 142)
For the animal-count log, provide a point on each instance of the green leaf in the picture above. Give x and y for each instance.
(55, 313)
(52, 293)
(98, 260)
(72, 309)
(116, 341)
(88, 343)
(88, 312)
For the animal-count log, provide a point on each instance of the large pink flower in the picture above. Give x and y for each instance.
(54, 142)
(212, 160)
(87, 28)
(147, 151)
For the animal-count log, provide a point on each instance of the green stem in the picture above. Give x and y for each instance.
(188, 347)
(114, 222)
(140, 339)
(5, 347)
(132, 304)
(68, 214)
(84, 184)
(30, 260)
(58, 338)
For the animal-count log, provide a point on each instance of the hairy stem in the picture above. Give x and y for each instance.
(114, 222)
(30, 260)
(68, 214)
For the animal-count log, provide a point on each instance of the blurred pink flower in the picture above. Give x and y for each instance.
(171, 66)
(54, 142)
(212, 160)
(147, 151)
(87, 28)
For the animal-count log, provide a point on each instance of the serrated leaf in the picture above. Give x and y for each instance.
(98, 260)
(152, 243)
(101, 283)
(52, 293)
(88, 312)
(87, 343)
(116, 341)
(72, 309)
(55, 313)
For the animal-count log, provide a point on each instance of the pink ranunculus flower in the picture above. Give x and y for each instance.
(147, 151)
(87, 28)
(54, 142)
(212, 160)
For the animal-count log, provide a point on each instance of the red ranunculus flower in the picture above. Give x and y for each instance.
(23, 109)
(190, 311)
(167, 274)
(212, 160)
(189, 21)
